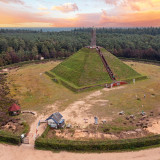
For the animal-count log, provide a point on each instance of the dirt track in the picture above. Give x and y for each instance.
(8, 152)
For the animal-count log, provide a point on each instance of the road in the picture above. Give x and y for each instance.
(24, 152)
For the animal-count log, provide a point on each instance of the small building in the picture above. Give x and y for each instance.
(14, 110)
(56, 121)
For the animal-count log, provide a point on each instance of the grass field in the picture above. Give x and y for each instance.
(35, 91)
(126, 98)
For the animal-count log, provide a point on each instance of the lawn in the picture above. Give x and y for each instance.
(35, 91)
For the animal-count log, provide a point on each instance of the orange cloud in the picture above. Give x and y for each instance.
(12, 1)
(81, 20)
(140, 19)
(134, 19)
(15, 17)
(67, 7)
(134, 5)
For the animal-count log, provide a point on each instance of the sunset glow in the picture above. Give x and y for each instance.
(76, 13)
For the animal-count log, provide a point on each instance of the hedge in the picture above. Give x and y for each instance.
(96, 146)
(10, 138)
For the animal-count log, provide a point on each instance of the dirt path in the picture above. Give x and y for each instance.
(32, 134)
(18, 153)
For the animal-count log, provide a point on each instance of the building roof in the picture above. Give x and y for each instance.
(56, 117)
(14, 107)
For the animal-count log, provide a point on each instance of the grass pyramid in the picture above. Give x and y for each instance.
(85, 69)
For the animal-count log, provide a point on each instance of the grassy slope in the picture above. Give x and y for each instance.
(83, 68)
(94, 71)
(71, 69)
(121, 70)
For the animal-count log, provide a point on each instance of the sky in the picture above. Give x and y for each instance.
(79, 13)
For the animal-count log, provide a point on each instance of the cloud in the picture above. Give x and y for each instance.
(81, 20)
(143, 19)
(12, 1)
(43, 8)
(67, 7)
(112, 2)
(133, 5)
(13, 17)
(43, 13)
(140, 19)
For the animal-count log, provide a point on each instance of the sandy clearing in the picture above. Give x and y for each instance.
(78, 111)
(155, 127)
(23, 152)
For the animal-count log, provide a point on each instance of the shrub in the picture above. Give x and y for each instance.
(7, 137)
(94, 145)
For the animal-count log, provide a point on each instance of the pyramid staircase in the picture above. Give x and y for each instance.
(105, 64)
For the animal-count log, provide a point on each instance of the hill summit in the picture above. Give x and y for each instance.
(87, 68)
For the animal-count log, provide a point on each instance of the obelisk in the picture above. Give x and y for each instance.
(93, 38)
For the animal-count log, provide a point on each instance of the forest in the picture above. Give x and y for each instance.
(25, 45)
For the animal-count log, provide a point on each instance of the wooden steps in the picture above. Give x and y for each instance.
(105, 64)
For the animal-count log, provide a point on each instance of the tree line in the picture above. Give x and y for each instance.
(24, 45)
(5, 101)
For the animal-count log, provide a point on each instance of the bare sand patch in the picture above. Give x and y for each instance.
(78, 113)
(155, 127)
(93, 95)
(80, 134)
